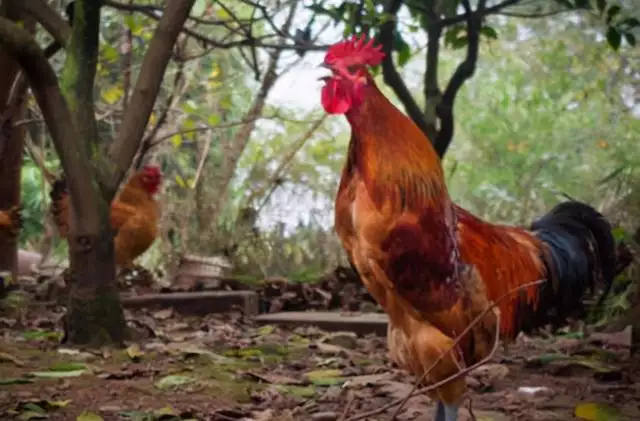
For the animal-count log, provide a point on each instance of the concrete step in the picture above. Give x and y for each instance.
(197, 303)
(361, 324)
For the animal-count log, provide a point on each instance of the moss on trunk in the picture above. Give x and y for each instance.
(94, 316)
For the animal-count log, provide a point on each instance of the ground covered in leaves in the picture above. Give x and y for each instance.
(225, 368)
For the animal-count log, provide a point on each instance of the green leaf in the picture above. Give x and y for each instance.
(403, 56)
(214, 119)
(630, 23)
(614, 38)
(57, 374)
(130, 22)
(109, 53)
(565, 3)
(582, 4)
(176, 140)
(612, 13)
(456, 37)
(173, 381)
(329, 377)
(89, 416)
(10, 381)
(403, 49)
(113, 94)
(596, 412)
(489, 32)
(68, 366)
(601, 4)
(619, 234)
(630, 38)
(199, 7)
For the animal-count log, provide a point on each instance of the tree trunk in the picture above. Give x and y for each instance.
(94, 315)
(11, 146)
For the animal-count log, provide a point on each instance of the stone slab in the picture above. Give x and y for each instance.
(361, 324)
(197, 303)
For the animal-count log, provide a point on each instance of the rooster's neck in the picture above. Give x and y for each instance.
(392, 153)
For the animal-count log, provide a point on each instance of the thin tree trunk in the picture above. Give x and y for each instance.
(95, 313)
(12, 108)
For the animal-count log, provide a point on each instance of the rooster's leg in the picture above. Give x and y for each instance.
(446, 412)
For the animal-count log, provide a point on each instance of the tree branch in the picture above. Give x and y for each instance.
(79, 73)
(55, 111)
(233, 149)
(49, 19)
(149, 80)
(391, 75)
(432, 93)
(463, 72)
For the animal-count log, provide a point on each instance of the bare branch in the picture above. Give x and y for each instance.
(390, 73)
(234, 148)
(463, 72)
(150, 140)
(149, 81)
(49, 19)
(454, 20)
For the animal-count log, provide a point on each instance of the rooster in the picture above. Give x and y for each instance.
(10, 221)
(134, 214)
(10, 224)
(434, 267)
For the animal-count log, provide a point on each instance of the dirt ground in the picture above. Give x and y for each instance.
(225, 368)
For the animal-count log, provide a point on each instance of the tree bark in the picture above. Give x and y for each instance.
(95, 316)
(12, 108)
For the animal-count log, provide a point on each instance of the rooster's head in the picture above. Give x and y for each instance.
(151, 178)
(348, 61)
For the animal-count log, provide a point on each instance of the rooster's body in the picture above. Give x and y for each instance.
(433, 266)
(134, 214)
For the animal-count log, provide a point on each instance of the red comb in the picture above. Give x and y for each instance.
(151, 168)
(354, 51)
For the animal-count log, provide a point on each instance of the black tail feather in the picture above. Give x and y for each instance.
(581, 252)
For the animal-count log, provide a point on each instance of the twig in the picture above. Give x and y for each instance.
(436, 385)
(202, 160)
(347, 408)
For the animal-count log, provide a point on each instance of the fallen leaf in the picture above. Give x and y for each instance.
(265, 330)
(9, 381)
(325, 377)
(89, 416)
(58, 404)
(68, 366)
(134, 352)
(163, 314)
(367, 380)
(173, 381)
(299, 391)
(617, 339)
(275, 379)
(57, 374)
(348, 340)
(4, 356)
(166, 411)
(596, 412)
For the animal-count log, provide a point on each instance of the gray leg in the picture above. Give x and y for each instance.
(446, 412)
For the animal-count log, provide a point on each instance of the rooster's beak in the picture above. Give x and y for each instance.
(324, 66)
